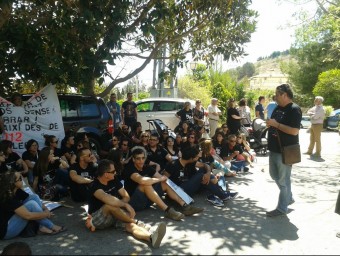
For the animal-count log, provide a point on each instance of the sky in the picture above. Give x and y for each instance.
(274, 32)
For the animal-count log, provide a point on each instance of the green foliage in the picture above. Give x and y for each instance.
(328, 110)
(328, 86)
(71, 42)
(192, 89)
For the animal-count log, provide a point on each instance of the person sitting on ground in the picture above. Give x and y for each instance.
(109, 207)
(82, 174)
(12, 159)
(122, 132)
(232, 152)
(3, 166)
(46, 182)
(171, 148)
(178, 141)
(183, 172)
(162, 139)
(17, 208)
(191, 140)
(146, 186)
(157, 153)
(184, 129)
(68, 147)
(17, 248)
(219, 144)
(144, 139)
(52, 142)
(125, 148)
(110, 145)
(247, 154)
(225, 131)
(30, 156)
(135, 133)
(79, 145)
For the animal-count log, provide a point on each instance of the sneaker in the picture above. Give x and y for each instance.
(189, 210)
(142, 224)
(215, 200)
(275, 213)
(174, 215)
(246, 169)
(157, 236)
(89, 224)
(229, 196)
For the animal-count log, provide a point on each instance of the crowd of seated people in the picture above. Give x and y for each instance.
(142, 161)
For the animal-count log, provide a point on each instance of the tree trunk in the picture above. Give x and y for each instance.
(89, 87)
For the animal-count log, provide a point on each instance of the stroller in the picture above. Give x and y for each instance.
(156, 126)
(257, 136)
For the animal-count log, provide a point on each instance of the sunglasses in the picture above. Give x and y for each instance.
(153, 139)
(232, 140)
(19, 179)
(113, 172)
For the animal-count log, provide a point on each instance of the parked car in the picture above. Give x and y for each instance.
(87, 114)
(333, 119)
(160, 108)
(305, 122)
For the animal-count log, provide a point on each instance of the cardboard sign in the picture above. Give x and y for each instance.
(180, 192)
(38, 116)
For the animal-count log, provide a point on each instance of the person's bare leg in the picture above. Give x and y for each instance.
(172, 194)
(138, 232)
(118, 213)
(153, 196)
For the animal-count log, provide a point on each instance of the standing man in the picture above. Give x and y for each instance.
(214, 116)
(270, 107)
(317, 115)
(115, 110)
(259, 110)
(129, 111)
(284, 122)
(107, 210)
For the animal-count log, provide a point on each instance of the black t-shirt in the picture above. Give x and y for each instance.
(176, 171)
(129, 109)
(28, 156)
(48, 178)
(65, 150)
(129, 184)
(57, 152)
(112, 188)
(7, 210)
(229, 150)
(206, 160)
(89, 172)
(157, 156)
(220, 149)
(233, 124)
(11, 160)
(290, 115)
(260, 109)
(185, 115)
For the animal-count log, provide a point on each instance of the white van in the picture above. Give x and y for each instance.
(160, 108)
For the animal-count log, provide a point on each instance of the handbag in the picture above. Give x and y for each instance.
(290, 154)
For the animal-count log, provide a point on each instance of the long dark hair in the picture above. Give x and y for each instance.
(42, 164)
(7, 185)
(115, 155)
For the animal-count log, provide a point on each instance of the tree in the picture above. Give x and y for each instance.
(72, 42)
(328, 86)
(316, 49)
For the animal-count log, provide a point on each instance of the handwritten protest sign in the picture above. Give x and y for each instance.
(38, 116)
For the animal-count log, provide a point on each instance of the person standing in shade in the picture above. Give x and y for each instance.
(259, 110)
(233, 117)
(317, 115)
(270, 107)
(214, 114)
(285, 122)
(129, 111)
(115, 110)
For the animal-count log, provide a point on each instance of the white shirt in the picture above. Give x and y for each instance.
(213, 109)
(317, 114)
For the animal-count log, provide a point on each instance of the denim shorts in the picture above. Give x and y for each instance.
(139, 201)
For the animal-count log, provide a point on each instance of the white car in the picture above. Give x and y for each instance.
(160, 108)
(305, 122)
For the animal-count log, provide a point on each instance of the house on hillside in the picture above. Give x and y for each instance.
(268, 80)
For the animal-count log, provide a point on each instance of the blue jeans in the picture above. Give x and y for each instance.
(280, 173)
(193, 185)
(16, 224)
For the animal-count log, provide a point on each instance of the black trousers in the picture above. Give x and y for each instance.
(337, 205)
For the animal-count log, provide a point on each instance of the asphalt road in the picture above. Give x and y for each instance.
(240, 227)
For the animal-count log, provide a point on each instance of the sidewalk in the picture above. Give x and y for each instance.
(240, 227)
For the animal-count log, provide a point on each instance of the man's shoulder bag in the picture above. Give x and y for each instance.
(290, 154)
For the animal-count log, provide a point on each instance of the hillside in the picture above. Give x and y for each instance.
(266, 65)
